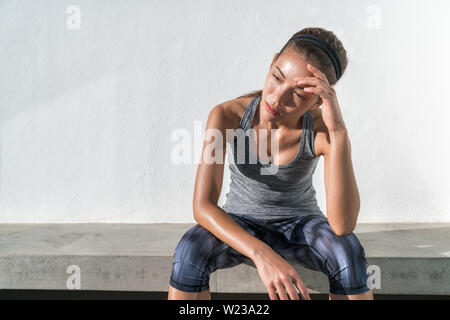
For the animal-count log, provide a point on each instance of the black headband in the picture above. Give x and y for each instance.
(325, 47)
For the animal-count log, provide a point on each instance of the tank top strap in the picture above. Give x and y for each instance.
(249, 113)
(309, 135)
(309, 121)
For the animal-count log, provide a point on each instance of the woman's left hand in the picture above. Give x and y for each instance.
(331, 113)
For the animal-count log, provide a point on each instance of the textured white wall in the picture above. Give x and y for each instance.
(87, 115)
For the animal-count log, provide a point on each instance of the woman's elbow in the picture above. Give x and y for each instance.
(345, 228)
(341, 232)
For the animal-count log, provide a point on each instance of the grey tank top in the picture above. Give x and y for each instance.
(282, 191)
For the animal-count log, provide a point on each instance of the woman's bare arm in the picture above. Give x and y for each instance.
(343, 202)
(276, 273)
(208, 185)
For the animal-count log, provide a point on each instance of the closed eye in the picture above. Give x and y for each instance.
(294, 91)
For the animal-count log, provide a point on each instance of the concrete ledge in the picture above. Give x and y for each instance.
(412, 258)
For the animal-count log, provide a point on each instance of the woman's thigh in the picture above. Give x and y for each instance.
(313, 244)
(199, 253)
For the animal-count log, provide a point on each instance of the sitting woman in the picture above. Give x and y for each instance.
(271, 213)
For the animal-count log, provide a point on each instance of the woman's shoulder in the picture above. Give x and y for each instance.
(233, 110)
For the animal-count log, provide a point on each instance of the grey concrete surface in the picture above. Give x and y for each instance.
(402, 258)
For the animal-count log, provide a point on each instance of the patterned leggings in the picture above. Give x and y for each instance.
(307, 239)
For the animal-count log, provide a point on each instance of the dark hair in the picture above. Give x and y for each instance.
(314, 54)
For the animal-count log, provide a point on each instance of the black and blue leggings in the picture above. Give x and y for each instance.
(307, 239)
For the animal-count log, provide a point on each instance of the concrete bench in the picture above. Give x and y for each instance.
(402, 258)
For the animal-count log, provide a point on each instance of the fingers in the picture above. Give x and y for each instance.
(320, 91)
(318, 73)
(293, 295)
(307, 79)
(272, 293)
(301, 287)
(311, 86)
(310, 82)
(313, 90)
(285, 290)
(281, 291)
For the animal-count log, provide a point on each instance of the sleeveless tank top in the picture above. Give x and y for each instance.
(269, 191)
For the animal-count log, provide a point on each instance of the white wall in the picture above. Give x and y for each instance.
(87, 115)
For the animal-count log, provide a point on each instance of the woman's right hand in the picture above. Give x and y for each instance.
(279, 276)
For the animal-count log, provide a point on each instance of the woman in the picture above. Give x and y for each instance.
(271, 217)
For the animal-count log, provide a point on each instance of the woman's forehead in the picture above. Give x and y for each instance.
(292, 67)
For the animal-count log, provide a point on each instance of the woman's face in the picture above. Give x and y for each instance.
(281, 91)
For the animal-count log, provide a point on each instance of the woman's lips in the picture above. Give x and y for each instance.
(271, 111)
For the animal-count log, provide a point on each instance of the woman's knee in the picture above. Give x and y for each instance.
(196, 247)
(338, 251)
(192, 258)
(349, 265)
(351, 252)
